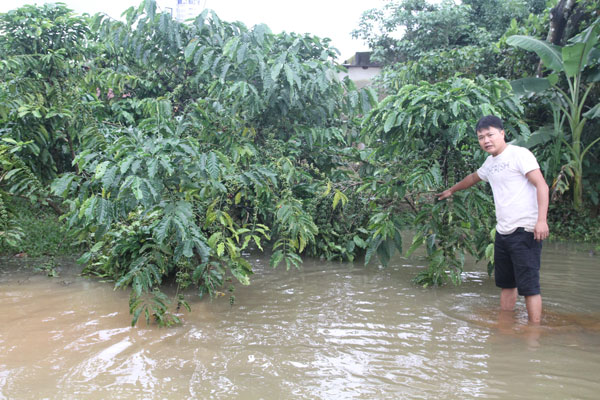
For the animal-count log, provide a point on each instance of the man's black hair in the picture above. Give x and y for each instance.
(489, 121)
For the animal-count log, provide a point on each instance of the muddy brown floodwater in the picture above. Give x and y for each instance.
(326, 331)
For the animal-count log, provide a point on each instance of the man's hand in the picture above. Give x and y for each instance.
(541, 231)
(444, 195)
(466, 183)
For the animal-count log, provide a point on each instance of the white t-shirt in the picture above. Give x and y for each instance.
(515, 197)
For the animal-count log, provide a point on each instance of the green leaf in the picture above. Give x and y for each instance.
(212, 165)
(109, 176)
(530, 85)
(60, 186)
(359, 242)
(553, 79)
(455, 108)
(417, 242)
(276, 70)
(104, 211)
(390, 121)
(188, 247)
(152, 167)
(276, 258)
(231, 46)
(162, 229)
(85, 258)
(373, 246)
(337, 197)
(289, 74)
(101, 169)
(241, 54)
(190, 48)
(594, 112)
(241, 272)
(576, 56)
(136, 187)
(292, 259)
(125, 164)
(398, 241)
(549, 53)
(385, 251)
(137, 309)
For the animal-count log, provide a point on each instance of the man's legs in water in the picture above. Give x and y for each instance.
(508, 299)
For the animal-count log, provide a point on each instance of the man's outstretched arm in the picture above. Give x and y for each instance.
(467, 182)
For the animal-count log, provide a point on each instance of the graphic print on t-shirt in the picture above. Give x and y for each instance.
(499, 167)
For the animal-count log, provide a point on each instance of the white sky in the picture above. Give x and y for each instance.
(334, 19)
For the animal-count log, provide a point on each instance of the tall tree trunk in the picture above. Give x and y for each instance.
(559, 16)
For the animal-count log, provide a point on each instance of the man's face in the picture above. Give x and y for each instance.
(491, 140)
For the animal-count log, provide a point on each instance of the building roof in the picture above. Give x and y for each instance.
(361, 59)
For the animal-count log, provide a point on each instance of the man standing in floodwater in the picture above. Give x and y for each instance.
(521, 200)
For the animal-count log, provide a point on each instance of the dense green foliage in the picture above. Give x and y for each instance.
(189, 144)
(421, 40)
(442, 63)
(172, 151)
(422, 141)
(431, 42)
(41, 234)
(573, 60)
(41, 70)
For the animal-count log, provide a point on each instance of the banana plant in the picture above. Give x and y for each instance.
(579, 62)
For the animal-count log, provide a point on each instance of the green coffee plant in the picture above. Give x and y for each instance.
(421, 142)
(41, 65)
(147, 204)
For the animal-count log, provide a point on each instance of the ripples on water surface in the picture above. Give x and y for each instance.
(327, 331)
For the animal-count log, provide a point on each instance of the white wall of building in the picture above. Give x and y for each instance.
(183, 10)
(361, 76)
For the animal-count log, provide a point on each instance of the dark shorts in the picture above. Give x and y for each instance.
(517, 262)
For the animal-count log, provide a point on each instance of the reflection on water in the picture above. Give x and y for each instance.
(327, 331)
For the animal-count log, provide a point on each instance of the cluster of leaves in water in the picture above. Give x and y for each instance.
(190, 144)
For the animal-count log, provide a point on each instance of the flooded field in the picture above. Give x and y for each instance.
(327, 331)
